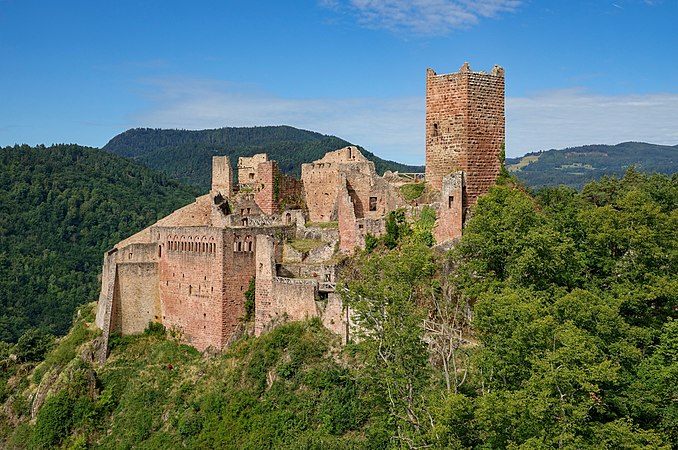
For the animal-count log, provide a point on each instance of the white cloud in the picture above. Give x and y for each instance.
(393, 128)
(568, 118)
(422, 16)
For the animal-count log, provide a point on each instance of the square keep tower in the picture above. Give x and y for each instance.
(465, 128)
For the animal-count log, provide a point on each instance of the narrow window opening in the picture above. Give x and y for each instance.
(373, 203)
(159, 251)
(450, 201)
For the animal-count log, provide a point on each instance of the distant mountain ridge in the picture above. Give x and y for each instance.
(186, 155)
(578, 165)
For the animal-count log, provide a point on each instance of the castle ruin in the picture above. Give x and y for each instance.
(191, 269)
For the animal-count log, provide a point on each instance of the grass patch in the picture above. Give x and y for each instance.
(334, 224)
(306, 245)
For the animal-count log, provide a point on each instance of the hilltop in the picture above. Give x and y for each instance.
(578, 165)
(187, 155)
(552, 323)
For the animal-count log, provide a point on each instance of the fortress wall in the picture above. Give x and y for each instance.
(294, 299)
(191, 283)
(136, 296)
(239, 266)
(139, 252)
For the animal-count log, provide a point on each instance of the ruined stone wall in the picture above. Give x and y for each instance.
(450, 213)
(265, 271)
(349, 237)
(464, 128)
(222, 176)
(321, 184)
(335, 317)
(322, 180)
(247, 169)
(273, 188)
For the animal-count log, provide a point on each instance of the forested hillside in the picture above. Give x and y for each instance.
(61, 207)
(187, 155)
(552, 324)
(577, 166)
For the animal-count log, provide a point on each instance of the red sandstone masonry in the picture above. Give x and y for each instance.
(464, 128)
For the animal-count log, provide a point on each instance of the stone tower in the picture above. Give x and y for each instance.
(464, 128)
(222, 176)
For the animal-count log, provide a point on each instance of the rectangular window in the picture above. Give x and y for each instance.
(373, 203)
(450, 201)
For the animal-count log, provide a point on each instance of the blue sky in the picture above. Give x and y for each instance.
(577, 72)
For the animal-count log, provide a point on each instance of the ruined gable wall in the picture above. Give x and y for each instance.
(321, 183)
(322, 180)
(349, 237)
(464, 128)
(265, 196)
(265, 271)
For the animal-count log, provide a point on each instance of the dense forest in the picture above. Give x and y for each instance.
(551, 324)
(187, 155)
(578, 165)
(61, 207)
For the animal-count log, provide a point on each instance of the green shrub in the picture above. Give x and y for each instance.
(33, 345)
(154, 329)
(53, 422)
(412, 191)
